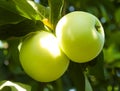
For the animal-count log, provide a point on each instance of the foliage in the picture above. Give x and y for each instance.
(20, 17)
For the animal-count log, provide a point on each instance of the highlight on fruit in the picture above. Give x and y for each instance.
(80, 36)
(41, 57)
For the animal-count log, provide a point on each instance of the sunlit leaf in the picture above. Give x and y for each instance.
(25, 8)
(88, 86)
(20, 7)
(40, 9)
(55, 12)
(15, 86)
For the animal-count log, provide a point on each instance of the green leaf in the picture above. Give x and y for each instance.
(25, 8)
(7, 17)
(15, 86)
(111, 53)
(104, 13)
(20, 29)
(57, 85)
(20, 7)
(13, 56)
(40, 9)
(116, 64)
(76, 75)
(55, 12)
(2, 56)
(9, 5)
(113, 38)
(117, 15)
(6, 88)
(97, 71)
(87, 85)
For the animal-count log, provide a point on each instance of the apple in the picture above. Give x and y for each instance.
(80, 36)
(41, 57)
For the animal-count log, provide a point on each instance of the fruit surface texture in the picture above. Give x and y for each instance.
(80, 36)
(41, 57)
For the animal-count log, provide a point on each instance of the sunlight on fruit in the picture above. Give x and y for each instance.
(95, 34)
(51, 46)
(80, 35)
(19, 46)
(59, 32)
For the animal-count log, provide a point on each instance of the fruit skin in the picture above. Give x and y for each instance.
(80, 36)
(41, 57)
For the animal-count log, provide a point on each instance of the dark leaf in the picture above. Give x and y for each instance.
(7, 17)
(98, 69)
(13, 56)
(20, 29)
(113, 37)
(9, 5)
(2, 57)
(76, 75)
(6, 88)
(116, 64)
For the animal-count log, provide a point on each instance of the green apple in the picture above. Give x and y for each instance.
(41, 57)
(80, 36)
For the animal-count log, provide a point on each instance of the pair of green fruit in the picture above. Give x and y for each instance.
(79, 37)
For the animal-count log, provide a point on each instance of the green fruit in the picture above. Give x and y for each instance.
(41, 57)
(80, 36)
